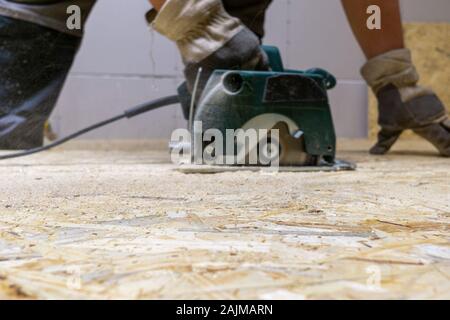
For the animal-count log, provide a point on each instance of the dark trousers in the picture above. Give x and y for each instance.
(34, 63)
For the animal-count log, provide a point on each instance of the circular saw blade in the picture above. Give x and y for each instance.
(292, 151)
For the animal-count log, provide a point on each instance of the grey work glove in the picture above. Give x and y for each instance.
(208, 38)
(402, 104)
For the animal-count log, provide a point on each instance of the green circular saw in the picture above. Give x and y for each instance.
(294, 103)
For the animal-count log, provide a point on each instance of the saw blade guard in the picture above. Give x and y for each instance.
(294, 101)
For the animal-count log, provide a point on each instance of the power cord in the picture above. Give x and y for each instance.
(133, 112)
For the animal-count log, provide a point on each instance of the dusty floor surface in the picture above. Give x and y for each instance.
(123, 224)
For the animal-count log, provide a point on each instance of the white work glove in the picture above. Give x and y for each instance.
(402, 104)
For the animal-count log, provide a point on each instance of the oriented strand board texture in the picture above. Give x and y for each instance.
(123, 224)
(430, 44)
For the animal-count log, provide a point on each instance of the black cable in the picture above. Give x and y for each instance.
(133, 112)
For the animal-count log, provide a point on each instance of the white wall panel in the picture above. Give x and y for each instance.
(122, 63)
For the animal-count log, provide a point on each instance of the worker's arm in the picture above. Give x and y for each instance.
(375, 42)
(51, 14)
(390, 72)
(251, 12)
(208, 37)
(157, 4)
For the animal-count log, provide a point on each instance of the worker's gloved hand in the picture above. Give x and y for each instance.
(402, 104)
(208, 38)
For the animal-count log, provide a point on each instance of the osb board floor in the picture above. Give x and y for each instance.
(122, 224)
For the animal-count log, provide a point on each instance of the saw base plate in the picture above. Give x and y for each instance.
(339, 165)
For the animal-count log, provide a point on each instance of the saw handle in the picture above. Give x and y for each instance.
(276, 65)
(329, 80)
(274, 56)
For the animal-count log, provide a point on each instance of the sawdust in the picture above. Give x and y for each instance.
(93, 223)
